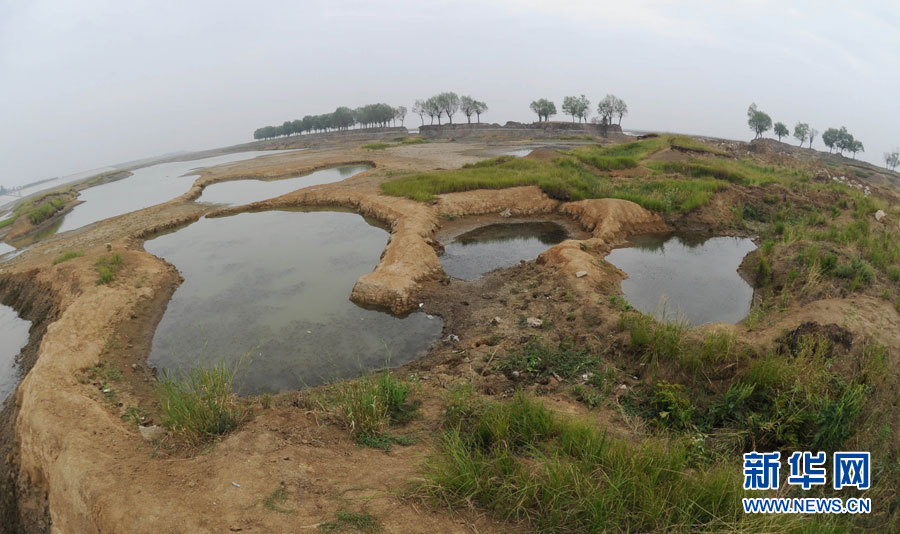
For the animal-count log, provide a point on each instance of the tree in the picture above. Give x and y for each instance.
(758, 120)
(891, 160)
(856, 146)
(576, 106)
(844, 141)
(781, 131)
(812, 135)
(400, 114)
(544, 109)
(342, 118)
(419, 109)
(830, 138)
(448, 103)
(433, 109)
(480, 107)
(620, 108)
(801, 131)
(607, 108)
(468, 106)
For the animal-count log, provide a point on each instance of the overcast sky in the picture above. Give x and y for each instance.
(88, 83)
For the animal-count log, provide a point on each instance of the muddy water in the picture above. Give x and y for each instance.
(247, 191)
(146, 187)
(13, 336)
(686, 276)
(276, 285)
(5, 249)
(472, 254)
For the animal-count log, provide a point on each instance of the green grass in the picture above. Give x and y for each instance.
(683, 141)
(522, 462)
(67, 255)
(44, 210)
(414, 141)
(107, 267)
(7, 222)
(743, 172)
(347, 521)
(367, 408)
(565, 180)
(594, 156)
(543, 359)
(376, 146)
(199, 405)
(276, 501)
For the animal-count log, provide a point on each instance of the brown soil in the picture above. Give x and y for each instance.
(80, 466)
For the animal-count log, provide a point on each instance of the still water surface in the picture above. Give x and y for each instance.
(495, 246)
(240, 192)
(276, 285)
(686, 276)
(13, 336)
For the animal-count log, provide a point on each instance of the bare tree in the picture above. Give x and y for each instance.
(419, 109)
(620, 108)
(480, 107)
(468, 106)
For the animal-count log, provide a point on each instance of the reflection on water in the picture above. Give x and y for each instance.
(687, 276)
(13, 336)
(519, 152)
(474, 253)
(5, 249)
(247, 191)
(146, 187)
(277, 284)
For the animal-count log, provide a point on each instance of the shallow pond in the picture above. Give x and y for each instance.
(472, 254)
(686, 276)
(5, 249)
(144, 188)
(13, 336)
(519, 152)
(247, 191)
(276, 285)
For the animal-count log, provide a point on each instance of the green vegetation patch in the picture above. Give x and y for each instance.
(376, 146)
(7, 222)
(594, 156)
(67, 255)
(522, 462)
(46, 209)
(369, 406)
(347, 521)
(689, 143)
(200, 405)
(107, 267)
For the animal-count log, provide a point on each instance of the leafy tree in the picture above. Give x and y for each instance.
(544, 109)
(480, 107)
(576, 106)
(801, 131)
(419, 109)
(781, 131)
(844, 141)
(607, 108)
(758, 120)
(830, 138)
(342, 118)
(856, 146)
(812, 135)
(620, 108)
(448, 103)
(433, 109)
(468, 106)
(400, 114)
(891, 160)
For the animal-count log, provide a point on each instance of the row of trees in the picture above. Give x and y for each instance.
(835, 139)
(342, 118)
(449, 103)
(579, 107)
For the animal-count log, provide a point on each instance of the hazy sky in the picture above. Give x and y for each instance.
(93, 82)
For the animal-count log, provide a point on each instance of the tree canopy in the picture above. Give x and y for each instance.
(576, 106)
(841, 140)
(801, 132)
(544, 109)
(469, 106)
(891, 160)
(758, 120)
(782, 131)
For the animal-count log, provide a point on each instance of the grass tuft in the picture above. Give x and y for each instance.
(200, 405)
(107, 267)
(68, 255)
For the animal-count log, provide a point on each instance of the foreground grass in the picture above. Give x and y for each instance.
(67, 255)
(524, 463)
(199, 405)
(107, 267)
(370, 406)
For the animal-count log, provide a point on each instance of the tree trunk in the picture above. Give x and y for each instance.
(469, 119)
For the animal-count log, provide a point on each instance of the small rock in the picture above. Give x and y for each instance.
(587, 376)
(235, 484)
(515, 374)
(580, 274)
(452, 338)
(506, 213)
(421, 304)
(152, 432)
(880, 214)
(496, 321)
(534, 322)
(623, 387)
